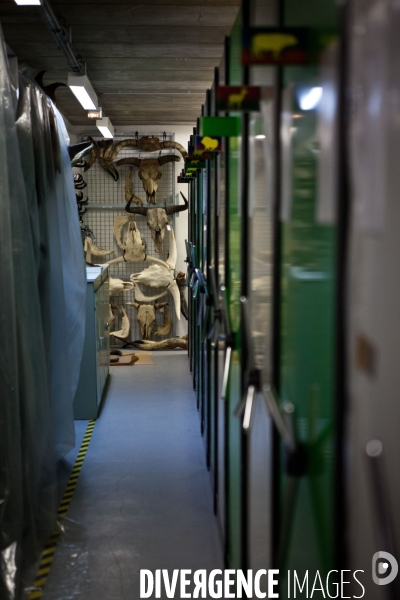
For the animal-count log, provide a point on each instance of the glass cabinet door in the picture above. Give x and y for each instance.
(308, 285)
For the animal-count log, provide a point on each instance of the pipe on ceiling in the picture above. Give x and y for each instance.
(60, 35)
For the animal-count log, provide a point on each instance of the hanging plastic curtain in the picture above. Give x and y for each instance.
(68, 308)
(61, 274)
(42, 320)
(28, 476)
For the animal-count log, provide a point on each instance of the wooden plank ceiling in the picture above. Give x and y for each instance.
(149, 61)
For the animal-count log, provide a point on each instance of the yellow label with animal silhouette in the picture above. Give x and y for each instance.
(236, 98)
(272, 45)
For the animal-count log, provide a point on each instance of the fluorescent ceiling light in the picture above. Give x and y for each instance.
(308, 99)
(260, 136)
(28, 2)
(82, 89)
(106, 127)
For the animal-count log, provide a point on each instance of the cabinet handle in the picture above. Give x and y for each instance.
(248, 409)
(285, 432)
(227, 366)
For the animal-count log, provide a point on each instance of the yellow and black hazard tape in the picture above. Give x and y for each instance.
(50, 548)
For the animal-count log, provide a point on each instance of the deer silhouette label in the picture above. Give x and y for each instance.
(236, 100)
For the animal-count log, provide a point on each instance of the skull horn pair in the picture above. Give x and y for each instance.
(106, 152)
(157, 219)
(146, 317)
(149, 171)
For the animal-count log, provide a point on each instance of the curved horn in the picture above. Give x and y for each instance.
(178, 147)
(168, 158)
(123, 144)
(159, 305)
(170, 210)
(172, 256)
(39, 78)
(108, 150)
(94, 154)
(173, 288)
(50, 90)
(135, 210)
(134, 304)
(157, 261)
(78, 151)
(132, 160)
(115, 260)
(109, 168)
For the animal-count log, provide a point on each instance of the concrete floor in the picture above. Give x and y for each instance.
(143, 499)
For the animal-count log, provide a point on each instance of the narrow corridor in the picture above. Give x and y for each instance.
(143, 499)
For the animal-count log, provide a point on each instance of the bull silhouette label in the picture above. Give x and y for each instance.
(274, 46)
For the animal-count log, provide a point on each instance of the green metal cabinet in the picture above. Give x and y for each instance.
(307, 312)
(234, 483)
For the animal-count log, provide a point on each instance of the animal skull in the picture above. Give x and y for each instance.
(149, 172)
(125, 326)
(119, 223)
(118, 285)
(106, 152)
(91, 250)
(157, 220)
(161, 274)
(134, 247)
(147, 143)
(146, 317)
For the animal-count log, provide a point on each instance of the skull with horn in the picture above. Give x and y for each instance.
(157, 219)
(146, 317)
(149, 172)
(107, 152)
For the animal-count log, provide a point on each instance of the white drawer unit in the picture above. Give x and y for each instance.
(96, 351)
